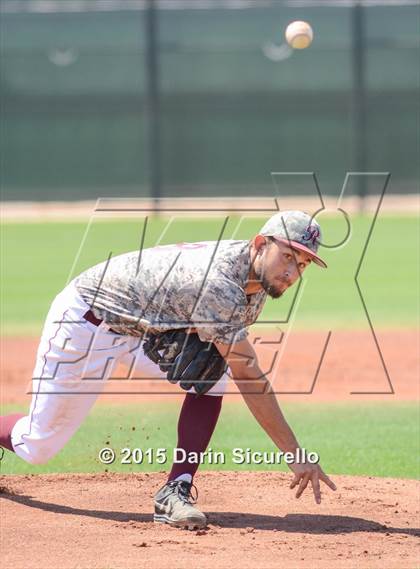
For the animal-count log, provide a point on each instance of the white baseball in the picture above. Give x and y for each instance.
(299, 34)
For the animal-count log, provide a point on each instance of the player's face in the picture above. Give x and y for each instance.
(279, 267)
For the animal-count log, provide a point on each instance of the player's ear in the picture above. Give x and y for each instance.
(260, 243)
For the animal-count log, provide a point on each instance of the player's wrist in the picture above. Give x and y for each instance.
(291, 447)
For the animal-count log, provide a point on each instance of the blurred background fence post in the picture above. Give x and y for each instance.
(359, 98)
(152, 102)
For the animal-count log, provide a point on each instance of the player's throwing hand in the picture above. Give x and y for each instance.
(307, 472)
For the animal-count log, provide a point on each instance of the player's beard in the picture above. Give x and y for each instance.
(270, 289)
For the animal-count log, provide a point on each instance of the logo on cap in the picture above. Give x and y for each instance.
(311, 234)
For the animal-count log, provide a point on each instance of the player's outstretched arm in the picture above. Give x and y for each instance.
(262, 402)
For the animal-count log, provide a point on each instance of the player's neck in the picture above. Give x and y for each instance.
(253, 284)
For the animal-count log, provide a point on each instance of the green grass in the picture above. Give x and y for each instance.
(38, 259)
(375, 439)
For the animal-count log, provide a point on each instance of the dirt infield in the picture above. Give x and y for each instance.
(39, 212)
(351, 364)
(104, 521)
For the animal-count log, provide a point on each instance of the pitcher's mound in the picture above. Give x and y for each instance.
(105, 520)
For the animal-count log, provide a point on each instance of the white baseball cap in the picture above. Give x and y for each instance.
(298, 230)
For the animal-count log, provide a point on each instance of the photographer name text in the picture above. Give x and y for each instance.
(177, 455)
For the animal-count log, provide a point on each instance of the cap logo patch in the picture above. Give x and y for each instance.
(311, 234)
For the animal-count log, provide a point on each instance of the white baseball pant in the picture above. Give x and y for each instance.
(74, 360)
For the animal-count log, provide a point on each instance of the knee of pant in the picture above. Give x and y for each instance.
(40, 455)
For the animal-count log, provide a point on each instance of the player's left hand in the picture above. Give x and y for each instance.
(313, 473)
(185, 359)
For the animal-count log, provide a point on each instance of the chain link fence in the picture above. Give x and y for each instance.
(204, 99)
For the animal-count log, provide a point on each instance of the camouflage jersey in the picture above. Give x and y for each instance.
(199, 285)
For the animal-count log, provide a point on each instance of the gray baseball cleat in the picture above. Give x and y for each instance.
(174, 506)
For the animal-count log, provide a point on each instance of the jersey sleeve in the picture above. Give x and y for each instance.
(219, 313)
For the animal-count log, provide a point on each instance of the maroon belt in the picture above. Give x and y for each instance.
(90, 317)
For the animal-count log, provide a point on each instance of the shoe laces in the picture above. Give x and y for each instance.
(186, 491)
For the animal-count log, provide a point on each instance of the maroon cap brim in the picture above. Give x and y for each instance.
(300, 247)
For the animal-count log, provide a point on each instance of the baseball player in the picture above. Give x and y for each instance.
(212, 290)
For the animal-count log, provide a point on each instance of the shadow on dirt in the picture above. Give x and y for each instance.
(304, 523)
(291, 523)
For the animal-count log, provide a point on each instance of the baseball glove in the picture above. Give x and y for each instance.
(186, 359)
